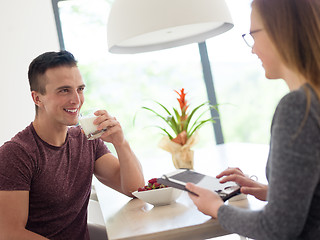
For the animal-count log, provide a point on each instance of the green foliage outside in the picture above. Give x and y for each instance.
(246, 99)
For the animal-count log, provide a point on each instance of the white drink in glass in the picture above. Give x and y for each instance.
(90, 129)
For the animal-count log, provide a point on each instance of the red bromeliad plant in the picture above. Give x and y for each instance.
(180, 121)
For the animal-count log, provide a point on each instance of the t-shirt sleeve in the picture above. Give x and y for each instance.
(15, 168)
(101, 149)
(293, 175)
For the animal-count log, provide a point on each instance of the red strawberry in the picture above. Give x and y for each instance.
(156, 185)
(152, 180)
(152, 184)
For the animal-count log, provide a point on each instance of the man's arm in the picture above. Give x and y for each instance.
(14, 207)
(125, 173)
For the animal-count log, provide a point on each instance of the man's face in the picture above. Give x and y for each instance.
(61, 103)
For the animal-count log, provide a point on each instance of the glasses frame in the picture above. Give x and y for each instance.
(249, 35)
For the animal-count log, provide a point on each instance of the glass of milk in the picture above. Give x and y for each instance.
(90, 129)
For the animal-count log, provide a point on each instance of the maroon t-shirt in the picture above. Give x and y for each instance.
(58, 180)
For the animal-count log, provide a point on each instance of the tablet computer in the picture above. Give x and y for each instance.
(180, 177)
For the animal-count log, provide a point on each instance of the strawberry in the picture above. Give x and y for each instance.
(152, 184)
(156, 185)
(152, 180)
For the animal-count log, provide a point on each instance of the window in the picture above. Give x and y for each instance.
(122, 84)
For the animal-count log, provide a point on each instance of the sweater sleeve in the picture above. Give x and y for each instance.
(293, 174)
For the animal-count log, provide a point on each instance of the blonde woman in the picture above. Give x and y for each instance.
(286, 38)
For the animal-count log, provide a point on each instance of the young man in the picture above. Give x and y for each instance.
(46, 169)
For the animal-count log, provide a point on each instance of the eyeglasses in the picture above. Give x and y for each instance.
(247, 37)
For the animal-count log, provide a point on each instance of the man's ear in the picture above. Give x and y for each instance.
(36, 97)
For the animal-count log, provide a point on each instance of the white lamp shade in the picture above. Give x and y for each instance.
(136, 26)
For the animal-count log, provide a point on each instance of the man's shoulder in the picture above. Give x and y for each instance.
(23, 138)
(22, 141)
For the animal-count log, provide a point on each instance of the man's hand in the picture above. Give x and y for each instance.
(248, 186)
(207, 202)
(113, 133)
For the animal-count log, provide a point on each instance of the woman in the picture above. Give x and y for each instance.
(286, 37)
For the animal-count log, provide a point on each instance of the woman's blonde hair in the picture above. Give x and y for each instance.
(294, 28)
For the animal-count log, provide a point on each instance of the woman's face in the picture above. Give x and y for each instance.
(265, 49)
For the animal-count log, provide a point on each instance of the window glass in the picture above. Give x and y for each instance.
(123, 83)
(248, 99)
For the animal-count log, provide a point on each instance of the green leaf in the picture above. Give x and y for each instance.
(199, 125)
(177, 114)
(164, 108)
(169, 135)
(197, 120)
(192, 113)
(157, 114)
(171, 121)
(164, 130)
(178, 120)
(174, 124)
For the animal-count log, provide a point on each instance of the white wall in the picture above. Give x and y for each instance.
(27, 29)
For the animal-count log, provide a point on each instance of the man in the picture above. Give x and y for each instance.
(46, 169)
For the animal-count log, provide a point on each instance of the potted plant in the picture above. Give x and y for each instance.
(181, 129)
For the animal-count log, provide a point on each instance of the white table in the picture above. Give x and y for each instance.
(128, 218)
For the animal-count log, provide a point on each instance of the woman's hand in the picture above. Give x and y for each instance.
(248, 186)
(207, 202)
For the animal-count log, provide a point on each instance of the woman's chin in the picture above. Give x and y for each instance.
(271, 76)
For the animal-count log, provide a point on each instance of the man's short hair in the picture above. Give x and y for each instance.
(45, 61)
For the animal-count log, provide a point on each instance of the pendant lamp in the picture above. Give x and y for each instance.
(136, 26)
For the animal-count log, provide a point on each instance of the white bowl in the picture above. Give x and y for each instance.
(160, 196)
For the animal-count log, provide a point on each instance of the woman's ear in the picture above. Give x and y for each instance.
(36, 98)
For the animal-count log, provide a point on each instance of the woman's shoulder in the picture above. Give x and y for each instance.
(295, 97)
(297, 107)
(300, 99)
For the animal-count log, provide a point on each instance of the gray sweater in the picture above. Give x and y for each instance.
(293, 173)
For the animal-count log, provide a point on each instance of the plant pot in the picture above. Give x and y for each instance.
(182, 155)
(183, 158)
